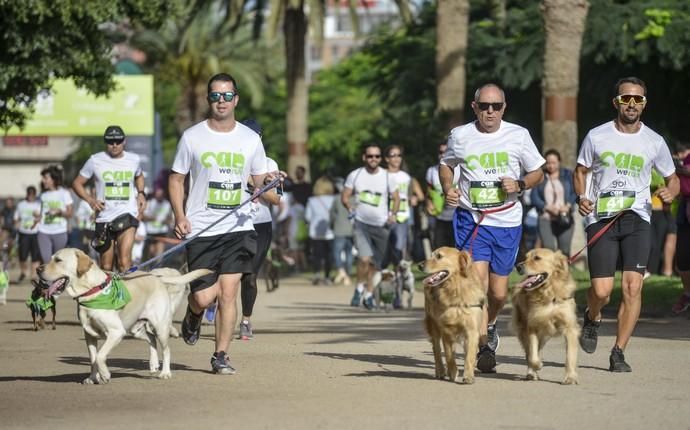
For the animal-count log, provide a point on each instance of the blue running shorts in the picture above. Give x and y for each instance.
(497, 245)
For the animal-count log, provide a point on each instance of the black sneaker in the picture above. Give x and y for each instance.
(617, 361)
(486, 359)
(191, 327)
(589, 334)
(220, 364)
(493, 340)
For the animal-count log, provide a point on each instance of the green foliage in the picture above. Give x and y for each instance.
(43, 40)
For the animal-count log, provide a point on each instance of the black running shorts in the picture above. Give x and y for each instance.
(225, 253)
(28, 245)
(625, 246)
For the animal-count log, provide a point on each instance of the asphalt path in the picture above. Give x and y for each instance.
(317, 363)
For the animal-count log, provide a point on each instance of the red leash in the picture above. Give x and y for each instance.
(482, 215)
(596, 236)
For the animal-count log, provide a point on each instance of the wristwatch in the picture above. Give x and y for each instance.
(521, 184)
(579, 198)
(141, 192)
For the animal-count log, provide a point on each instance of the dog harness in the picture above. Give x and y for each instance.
(113, 295)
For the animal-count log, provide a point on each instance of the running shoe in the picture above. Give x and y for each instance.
(589, 334)
(246, 330)
(356, 299)
(220, 364)
(370, 303)
(191, 327)
(617, 361)
(486, 359)
(493, 340)
(681, 305)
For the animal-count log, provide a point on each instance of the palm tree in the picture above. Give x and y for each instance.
(564, 22)
(452, 24)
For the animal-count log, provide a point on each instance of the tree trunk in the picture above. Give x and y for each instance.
(452, 22)
(564, 22)
(295, 30)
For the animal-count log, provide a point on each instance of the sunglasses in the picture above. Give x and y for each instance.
(394, 155)
(624, 99)
(115, 142)
(377, 156)
(215, 96)
(485, 106)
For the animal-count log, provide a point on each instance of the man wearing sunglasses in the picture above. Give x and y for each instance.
(219, 154)
(620, 155)
(492, 155)
(120, 199)
(373, 190)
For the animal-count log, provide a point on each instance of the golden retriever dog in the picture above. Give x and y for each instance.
(146, 315)
(544, 307)
(453, 303)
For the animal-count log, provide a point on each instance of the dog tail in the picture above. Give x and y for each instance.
(186, 278)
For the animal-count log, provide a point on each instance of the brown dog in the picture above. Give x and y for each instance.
(453, 302)
(543, 307)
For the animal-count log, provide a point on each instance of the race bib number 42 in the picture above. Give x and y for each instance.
(117, 191)
(486, 194)
(612, 202)
(224, 195)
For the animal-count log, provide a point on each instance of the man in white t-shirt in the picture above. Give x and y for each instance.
(620, 155)
(372, 189)
(498, 160)
(219, 154)
(120, 199)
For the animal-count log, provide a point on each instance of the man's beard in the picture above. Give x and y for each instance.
(628, 120)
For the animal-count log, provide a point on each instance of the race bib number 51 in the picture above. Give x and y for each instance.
(224, 195)
(486, 194)
(612, 202)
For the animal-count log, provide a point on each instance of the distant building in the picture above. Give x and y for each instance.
(339, 35)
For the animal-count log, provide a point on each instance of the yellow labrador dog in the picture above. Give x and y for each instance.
(544, 307)
(453, 301)
(107, 310)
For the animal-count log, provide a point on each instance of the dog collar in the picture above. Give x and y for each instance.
(97, 288)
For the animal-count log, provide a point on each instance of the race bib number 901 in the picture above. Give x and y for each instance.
(117, 191)
(224, 195)
(612, 202)
(486, 194)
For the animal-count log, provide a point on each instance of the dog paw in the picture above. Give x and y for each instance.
(532, 377)
(89, 381)
(164, 375)
(174, 333)
(468, 380)
(570, 380)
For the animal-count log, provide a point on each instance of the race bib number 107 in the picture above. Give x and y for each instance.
(224, 195)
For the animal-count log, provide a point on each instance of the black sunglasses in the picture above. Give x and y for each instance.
(485, 106)
(373, 155)
(115, 142)
(215, 96)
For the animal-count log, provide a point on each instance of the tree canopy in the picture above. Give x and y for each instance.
(43, 40)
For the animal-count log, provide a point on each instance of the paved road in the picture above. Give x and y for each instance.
(317, 363)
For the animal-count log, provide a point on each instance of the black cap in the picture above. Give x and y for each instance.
(254, 125)
(113, 133)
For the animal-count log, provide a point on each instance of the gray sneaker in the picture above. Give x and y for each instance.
(493, 340)
(486, 360)
(246, 331)
(220, 364)
(617, 361)
(589, 334)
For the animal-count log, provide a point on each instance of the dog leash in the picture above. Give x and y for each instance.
(184, 242)
(597, 236)
(482, 215)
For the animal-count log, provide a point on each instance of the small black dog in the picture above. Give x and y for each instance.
(39, 303)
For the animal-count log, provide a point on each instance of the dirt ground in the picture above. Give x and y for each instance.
(317, 363)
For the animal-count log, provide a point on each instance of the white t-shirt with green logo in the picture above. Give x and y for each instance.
(485, 158)
(55, 199)
(160, 212)
(25, 216)
(621, 166)
(372, 192)
(403, 183)
(433, 180)
(261, 211)
(219, 164)
(114, 180)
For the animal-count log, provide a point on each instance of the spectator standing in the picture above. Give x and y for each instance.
(27, 226)
(554, 199)
(317, 215)
(56, 209)
(342, 240)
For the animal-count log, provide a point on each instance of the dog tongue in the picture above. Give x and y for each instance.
(55, 286)
(528, 281)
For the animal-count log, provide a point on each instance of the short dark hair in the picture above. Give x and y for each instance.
(629, 80)
(370, 145)
(224, 77)
(553, 152)
(389, 148)
(30, 190)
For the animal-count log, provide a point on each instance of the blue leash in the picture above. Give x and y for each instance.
(177, 247)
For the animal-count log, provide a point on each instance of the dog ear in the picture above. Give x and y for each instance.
(83, 263)
(464, 262)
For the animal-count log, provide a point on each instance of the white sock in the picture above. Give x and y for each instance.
(368, 294)
(360, 287)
